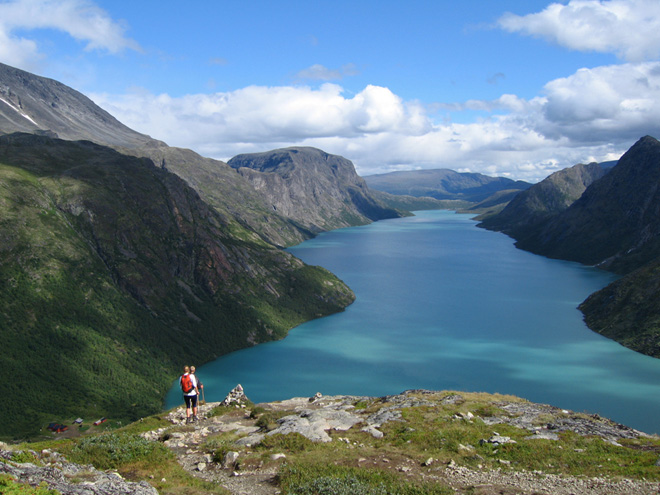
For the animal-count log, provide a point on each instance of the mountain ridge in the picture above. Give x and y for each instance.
(613, 224)
(443, 184)
(315, 189)
(155, 249)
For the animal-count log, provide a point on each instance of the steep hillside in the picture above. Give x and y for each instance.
(628, 310)
(606, 218)
(230, 194)
(616, 222)
(529, 209)
(30, 103)
(443, 184)
(113, 272)
(316, 190)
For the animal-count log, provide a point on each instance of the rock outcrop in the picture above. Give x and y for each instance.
(316, 190)
(350, 422)
(56, 473)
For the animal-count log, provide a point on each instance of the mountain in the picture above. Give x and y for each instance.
(316, 190)
(125, 258)
(628, 310)
(33, 104)
(443, 184)
(530, 208)
(114, 272)
(30, 103)
(616, 221)
(614, 224)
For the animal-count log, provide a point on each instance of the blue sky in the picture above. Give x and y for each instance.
(516, 88)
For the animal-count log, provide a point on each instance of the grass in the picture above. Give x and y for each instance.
(355, 462)
(9, 486)
(135, 458)
(330, 479)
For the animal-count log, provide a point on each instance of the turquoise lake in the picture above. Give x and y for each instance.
(444, 305)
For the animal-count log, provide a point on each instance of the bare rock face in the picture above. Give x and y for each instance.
(317, 190)
(30, 103)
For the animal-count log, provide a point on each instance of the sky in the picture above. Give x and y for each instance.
(511, 88)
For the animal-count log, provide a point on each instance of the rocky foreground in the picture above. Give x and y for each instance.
(360, 427)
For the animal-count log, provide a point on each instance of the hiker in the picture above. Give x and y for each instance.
(200, 385)
(188, 384)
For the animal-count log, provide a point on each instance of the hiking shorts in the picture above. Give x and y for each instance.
(191, 401)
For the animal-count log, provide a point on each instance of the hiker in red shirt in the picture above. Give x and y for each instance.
(188, 384)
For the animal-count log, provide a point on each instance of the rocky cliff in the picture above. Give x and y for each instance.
(316, 190)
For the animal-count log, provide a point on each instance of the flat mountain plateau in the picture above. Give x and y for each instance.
(417, 442)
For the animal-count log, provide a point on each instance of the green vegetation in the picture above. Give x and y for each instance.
(431, 434)
(114, 450)
(356, 462)
(317, 479)
(113, 274)
(9, 486)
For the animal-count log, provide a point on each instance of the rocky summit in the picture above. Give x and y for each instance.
(315, 189)
(430, 442)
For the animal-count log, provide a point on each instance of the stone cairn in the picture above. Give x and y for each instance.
(236, 396)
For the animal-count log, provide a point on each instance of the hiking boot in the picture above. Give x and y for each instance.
(188, 420)
(195, 418)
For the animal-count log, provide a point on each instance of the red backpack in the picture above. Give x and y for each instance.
(186, 384)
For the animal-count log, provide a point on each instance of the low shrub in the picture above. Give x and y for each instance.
(327, 485)
(23, 456)
(113, 450)
(330, 479)
(291, 442)
(9, 486)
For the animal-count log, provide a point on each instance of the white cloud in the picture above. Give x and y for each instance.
(605, 103)
(81, 19)
(628, 28)
(594, 114)
(258, 114)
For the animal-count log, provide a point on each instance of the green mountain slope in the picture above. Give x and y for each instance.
(616, 221)
(628, 310)
(114, 272)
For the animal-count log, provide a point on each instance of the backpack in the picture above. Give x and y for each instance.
(186, 384)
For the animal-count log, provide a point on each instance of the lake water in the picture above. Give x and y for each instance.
(444, 305)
